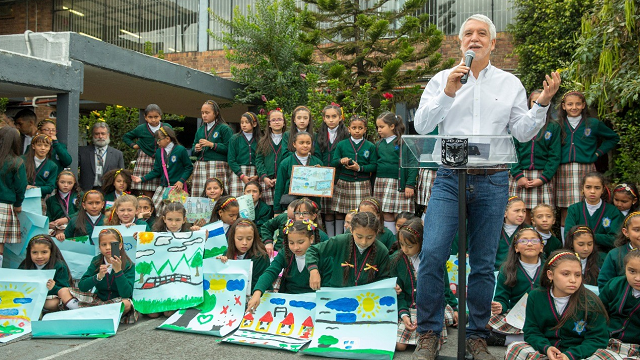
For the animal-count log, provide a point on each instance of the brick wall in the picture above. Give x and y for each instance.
(40, 14)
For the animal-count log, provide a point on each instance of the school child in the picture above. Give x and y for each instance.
(543, 218)
(394, 184)
(210, 146)
(59, 153)
(625, 198)
(302, 142)
(87, 218)
(172, 165)
(13, 183)
(116, 183)
(518, 276)
(41, 171)
(226, 210)
(357, 258)
(301, 120)
(243, 242)
(621, 298)
(513, 221)
(43, 254)
(580, 137)
(347, 220)
(146, 211)
(64, 203)
(213, 189)
(262, 210)
(356, 158)
(142, 138)
(532, 176)
(271, 232)
(580, 240)
(603, 218)
(332, 131)
(299, 235)
(402, 218)
(627, 240)
(111, 276)
(307, 209)
(373, 206)
(563, 319)
(271, 150)
(123, 212)
(241, 154)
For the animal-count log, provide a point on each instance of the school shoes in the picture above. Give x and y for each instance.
(477, 349)
(427, 347)
(496, 339)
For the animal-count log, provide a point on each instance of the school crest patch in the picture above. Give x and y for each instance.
(547, 135)
(587, 132)
(366, 154)
(215, 135)
(173, 158)
(606, 222)
(579, 326)
(45, 174)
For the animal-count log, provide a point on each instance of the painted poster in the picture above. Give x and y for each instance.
(22, 296)
(169, 271)
(216, 240)
(198, 208)
(452, 269)
(247, 209)
(33, 201)
(127, 237)
(518, 313)
(78, 253)
(314, 181)
(281, 321)
(357, 322)
(31, 224)
(91, 322)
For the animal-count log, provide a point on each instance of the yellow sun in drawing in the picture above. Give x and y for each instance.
(369, 306)
(216, 284)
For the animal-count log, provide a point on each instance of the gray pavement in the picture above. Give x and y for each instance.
(141, 341)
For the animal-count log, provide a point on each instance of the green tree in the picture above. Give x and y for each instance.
(143, 268)
(267, 54)
(3, 105)
(326, 341)
(196, 262)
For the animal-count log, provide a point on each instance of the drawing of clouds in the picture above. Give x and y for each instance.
(278, 301)
(162, 240)
(193, 241)
(233, 285)
(387, 301)
(302, 304)
(177, 249)
(141, 253)
(343, 304)
(346, 318)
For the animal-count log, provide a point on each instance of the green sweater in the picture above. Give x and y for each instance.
(613, 265)
(552, 244)
(363, 153)
(267, 164)
(179, 167)
(540, 153)
(57, 207)
(61, 277)
(241, 152)
(581, 144)
(387, 238)
(13, 184)
(277, 224)
(337, 248)
(580, 336)
(113, 285)
(71, 232)
(295, 281)
(142, 136)
(508, 296)
(264, 213)
(45, 178)
(59, 155)
(389, 164)
(260, 265)
(219, 135)
(284, 178)
(605, 222)
(624, 310)
(503, 246)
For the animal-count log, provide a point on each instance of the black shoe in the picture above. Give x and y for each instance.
(496, 339)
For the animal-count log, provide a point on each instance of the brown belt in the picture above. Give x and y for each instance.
(485, 172)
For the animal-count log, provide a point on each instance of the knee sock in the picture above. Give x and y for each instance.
(339, 226)
(72, 304)
(513, 338)
(391, 225)
(331, 228)
(562, 233)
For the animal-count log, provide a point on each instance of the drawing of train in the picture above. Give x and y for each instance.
(156, 281)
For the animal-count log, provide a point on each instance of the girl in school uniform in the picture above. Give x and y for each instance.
(514, 216)
(263, 211)
(88, 217)
(538, 159)
(358, 258)
(214, 189)
(41, 171)
(271, 150)
(123, 212)
(142, 138)
(172, 165)
(628, 239)
(226, 210)
(580, 137)
(64, 203)
(563, 319)
(332, 131)
(384, 235)
(543, 217)
(517, 277)
(210, 147)
(146, 211)
(355, 157)
(59, 154)
(580, 240)
(116, 183)
(13, 183)
(241, 154)
(394, 184)
(271, 232)
(307, 209)
(625, 198)
(602, 217)
(301, 120)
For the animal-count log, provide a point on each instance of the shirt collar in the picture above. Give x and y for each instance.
(357, 141)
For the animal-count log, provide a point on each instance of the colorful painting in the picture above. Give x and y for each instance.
(314, 181)
(169, 271)
(357, 322)
(31, 224)
(281, 321)
(78, 253)
(518, 313)
(90, 322)
(216, 240)
(452, 269)
(129, 242)
(247, 209)
(198, 208)
(22, 296)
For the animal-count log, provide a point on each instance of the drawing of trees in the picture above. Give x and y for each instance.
(143, 268)
(326, 341)
(196, 262)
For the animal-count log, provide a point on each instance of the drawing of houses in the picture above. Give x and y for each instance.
(265, 322)
(247, 320)
(306, 330)
(286, 325)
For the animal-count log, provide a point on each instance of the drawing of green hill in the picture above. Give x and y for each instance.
(172, 267)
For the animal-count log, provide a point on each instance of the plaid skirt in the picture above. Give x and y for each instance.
(567, 184)
(348, 195)
(409, 337)
(144, 164)
(622, 350)
(10, 233)
(326, 204)
(393, 201)
(267, 194)
(499, 324)
(534, 196)
(235, 186)
(88, 299)
(426, 177)
(520, 350)
(157, 199)
(203, 170)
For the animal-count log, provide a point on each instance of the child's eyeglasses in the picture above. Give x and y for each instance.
(301, 213)
(159, 140)
(276, 120)
(526, 241)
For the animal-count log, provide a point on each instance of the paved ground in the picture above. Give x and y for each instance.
(141, 341)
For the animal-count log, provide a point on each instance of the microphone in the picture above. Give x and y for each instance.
(468, 59)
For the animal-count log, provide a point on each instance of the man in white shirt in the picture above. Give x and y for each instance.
(492, 102)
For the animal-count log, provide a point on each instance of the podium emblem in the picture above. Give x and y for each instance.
(455, 152)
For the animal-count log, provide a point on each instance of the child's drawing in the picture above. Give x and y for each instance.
(198, 208)
(452, 269)
(90, 322)
(129, 243)
(312, 181)
(247, 209)
(216, 243)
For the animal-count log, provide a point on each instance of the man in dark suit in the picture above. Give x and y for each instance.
(97, 159)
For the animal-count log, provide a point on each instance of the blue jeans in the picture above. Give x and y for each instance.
(485, 216)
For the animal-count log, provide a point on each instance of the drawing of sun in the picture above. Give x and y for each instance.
(145, 237)
(217, 284)
(369, 306)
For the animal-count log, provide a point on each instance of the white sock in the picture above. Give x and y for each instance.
(1, 258)
(562, 233)
(513, 338)
(330, 226)
(72, 304)
(339, 226)
(391, 225)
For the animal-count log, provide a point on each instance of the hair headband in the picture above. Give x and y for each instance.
(572, 92)
(511, 198)
(84, 197)
(111, 231)
(339, 107)
(144, 197)
(311, 226)
(625, 187)
(307, 201)
(410, 229)
(583, 230)
(117, 173)
(42, 135)
(558, 256)
(244, 222)
(373, 202)
(227, 202)
(163, 131)
(251, 115)
(42, 122)
(40, 237)
(632, 215)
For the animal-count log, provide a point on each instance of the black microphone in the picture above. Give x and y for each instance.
(468, 59)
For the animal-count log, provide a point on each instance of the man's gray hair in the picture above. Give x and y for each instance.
(100, 124)
(484, 19)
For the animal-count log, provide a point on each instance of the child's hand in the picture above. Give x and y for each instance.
(398, 289)
(314, 279)
(564, 356)
(135, 146)
(523, 182)
(200, 222)
(136, 179)
(31, 187)
(130, 225)
(144, 215)
(354, 167)
(135, 236)
(116, 263)
(103, 272)
(270, 183)
(253, 303)
(534, 183)
(222, 258)
(178, 185)
(455, 319)
(408, 192)
(205, 143)
(554, 354)
(198, 147)
(17, 209)
(50, 284)
(496, 308)
(408, 324)
(194, 228)
(60, 237)
(344, 161)
(253, 178)
(269, 248)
